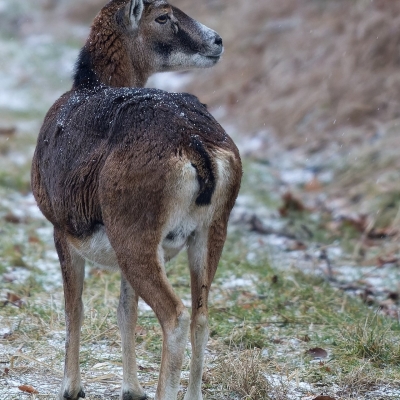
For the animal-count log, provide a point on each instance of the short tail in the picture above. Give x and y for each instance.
(205, 169)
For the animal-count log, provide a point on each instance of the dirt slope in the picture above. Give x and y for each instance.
(300, 68)
(307, 68)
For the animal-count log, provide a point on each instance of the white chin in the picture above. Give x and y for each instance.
(200, 61)
(181, 62)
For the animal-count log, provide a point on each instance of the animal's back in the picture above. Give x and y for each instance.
(146, 127)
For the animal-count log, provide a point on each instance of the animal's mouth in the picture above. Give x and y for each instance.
(215, 57)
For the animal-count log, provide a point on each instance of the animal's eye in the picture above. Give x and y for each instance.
(162, 19)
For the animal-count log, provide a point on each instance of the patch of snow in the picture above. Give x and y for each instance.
(234, 282)
(142, 306)
(4, 331)
(21, 274)
(252, 145)
(3, 6)
(67, 61)
(334, 252)
(219, 112)
(37, 40)
(296, 176)
(326, 176)
(296, 389)
(13, 101)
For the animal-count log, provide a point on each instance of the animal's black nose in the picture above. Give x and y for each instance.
(218, 40)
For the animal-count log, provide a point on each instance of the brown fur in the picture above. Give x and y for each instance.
(123, 174)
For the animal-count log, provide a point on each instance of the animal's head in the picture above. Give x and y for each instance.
(175, 40)
(132, 39)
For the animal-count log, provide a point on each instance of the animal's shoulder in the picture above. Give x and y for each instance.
(106, 100)
(125, 106)
(128, 115)
(145, 97)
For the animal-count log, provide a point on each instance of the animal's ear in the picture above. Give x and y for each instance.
(135, 12)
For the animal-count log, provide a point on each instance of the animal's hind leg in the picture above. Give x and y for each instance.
(204, 253)
(73, 269)
(146, 274)
(141, 265)
(135, 207)
(127, 318)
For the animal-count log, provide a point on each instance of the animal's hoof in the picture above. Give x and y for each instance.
(132, 396)
(68, 396)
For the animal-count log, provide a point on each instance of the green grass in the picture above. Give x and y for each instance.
(281, 307)
(268, 324)
(373, 339)
(256, 183)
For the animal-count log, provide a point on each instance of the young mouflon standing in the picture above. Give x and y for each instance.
(130, 176)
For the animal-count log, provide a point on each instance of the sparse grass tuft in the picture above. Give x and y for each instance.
(242, 374)
(247, 337)
(262, 329)
(371, 340)
(358, 381)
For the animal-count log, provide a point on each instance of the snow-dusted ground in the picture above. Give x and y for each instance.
(25, 90)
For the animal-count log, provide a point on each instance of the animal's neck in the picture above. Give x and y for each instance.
(106, 60)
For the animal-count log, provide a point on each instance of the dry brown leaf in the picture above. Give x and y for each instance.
(387, 260)
(297, 245)
(256, 225)
(381, 233)
(12, 218)
(247, 295)
(13, 298)
(97, 272)
(290, 204)
(393, 296)
(140, 331)
(7, 131)
(33, 239)
(386, 304)
(28, 389)
(317, 352)
(147, 369)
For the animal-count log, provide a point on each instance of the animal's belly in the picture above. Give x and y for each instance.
(98, 250)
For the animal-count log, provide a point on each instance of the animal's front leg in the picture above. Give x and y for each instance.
(73, 270)
(127, 318)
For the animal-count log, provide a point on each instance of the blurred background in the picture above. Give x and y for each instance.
(309, 90)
